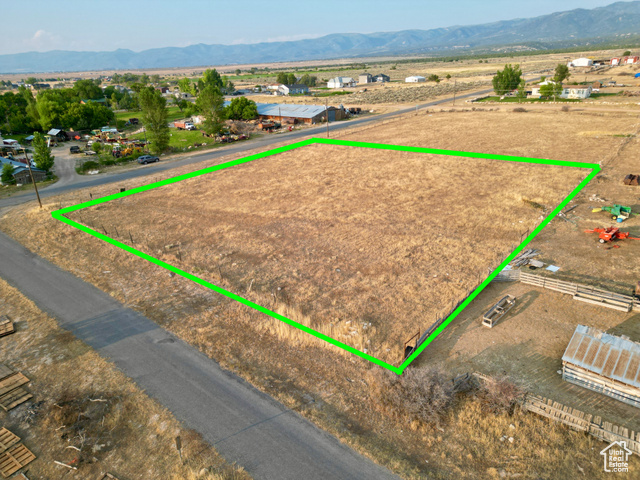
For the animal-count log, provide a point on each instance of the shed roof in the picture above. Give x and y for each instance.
(54, 131)
(617, 358)
(285, 110)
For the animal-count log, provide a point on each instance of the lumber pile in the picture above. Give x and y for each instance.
(523, 258)
(6, 326)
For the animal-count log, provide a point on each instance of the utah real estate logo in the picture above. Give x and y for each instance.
(616, 457)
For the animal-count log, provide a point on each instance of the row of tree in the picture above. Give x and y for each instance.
(292, 78)
(210, 104)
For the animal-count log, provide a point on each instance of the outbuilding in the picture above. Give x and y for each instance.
(382, 78)
(295, 89)
(341, 82)
(365, 78)
(415, 79)
(581, 62)
(604, 363)
(292, 114)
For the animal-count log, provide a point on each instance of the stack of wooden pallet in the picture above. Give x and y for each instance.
(13, 454)
(11, 392)
(6, 326)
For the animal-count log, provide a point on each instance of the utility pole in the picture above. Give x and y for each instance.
(326, 111)
(454, 91)
(32, 179)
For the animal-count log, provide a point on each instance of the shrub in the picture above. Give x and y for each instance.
(520, 110)
(421, 394)
(499, 394)
(7, 174)
(90, 165)
(565, 108)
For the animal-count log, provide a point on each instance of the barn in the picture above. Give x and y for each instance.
(415, 79)
(292, 114)
(603, 363)
(581, 62)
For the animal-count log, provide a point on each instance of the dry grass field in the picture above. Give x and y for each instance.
(84, 412)
(364, 245)
(292, 369)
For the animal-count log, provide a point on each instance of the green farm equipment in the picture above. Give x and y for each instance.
(619, 213)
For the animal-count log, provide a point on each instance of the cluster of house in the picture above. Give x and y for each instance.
(9, 149)
(568, 91)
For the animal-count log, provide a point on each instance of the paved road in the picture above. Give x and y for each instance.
(82, 181)
(245, 425)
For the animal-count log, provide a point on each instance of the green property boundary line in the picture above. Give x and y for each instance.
(595, 169)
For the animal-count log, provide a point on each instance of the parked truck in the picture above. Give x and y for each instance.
(184, 125)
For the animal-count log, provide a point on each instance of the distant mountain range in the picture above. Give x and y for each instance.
(557, 30)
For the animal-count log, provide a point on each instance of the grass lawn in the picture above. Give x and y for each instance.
(331, 94)
(602, 95)
(183, 138)
(173, 113)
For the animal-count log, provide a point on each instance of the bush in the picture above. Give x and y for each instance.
(90, 165)
(421, 394)
(499, 394)
(565, 108)
(520, 110)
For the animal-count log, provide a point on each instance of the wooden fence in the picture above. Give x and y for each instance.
(578, 420)
(580, 292)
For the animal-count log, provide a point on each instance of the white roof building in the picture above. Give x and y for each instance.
(415, 79)
(341, 82)
(581, 62)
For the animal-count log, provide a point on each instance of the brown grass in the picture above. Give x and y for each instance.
(236, 336)
(83, 401)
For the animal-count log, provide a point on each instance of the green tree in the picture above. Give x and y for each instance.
(253, 70)
(7, 174)
(309, 80)
(448, 77)
(626, 53)
(154, 118)
(562, 73)
(210, 104)
(49, 113)
(434, 78)
(184, 84)
(291, 79)
(547, 90)
(116, 78)
(31, 80)
(507, 80)
(144, 79)
(211, 77)
(238, 71)
(241, 108)
(41, 153)
(87, 89)
(282, 77)
(155, 78)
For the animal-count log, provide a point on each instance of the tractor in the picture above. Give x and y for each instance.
(619, 213)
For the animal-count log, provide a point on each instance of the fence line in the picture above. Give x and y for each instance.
(578, 420)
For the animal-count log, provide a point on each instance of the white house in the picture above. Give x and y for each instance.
(294, 89)
(568, 91)
(415, 79)
(341, 82)
(581, 62)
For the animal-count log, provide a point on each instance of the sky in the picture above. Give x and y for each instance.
(92, 25)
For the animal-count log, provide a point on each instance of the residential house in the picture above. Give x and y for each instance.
(21, 171)
(604, 363)
(382, 78)
(163, 90)
(365, 78)
(341, 82)
(630, 60)
(295, 89)
(615, 61)
(183, 95)
(415, 79)
(568, 91)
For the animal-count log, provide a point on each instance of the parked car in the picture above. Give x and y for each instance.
(74, 149)
(144, 159)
